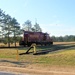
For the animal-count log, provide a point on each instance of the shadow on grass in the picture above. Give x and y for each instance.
(47, 49)
(17, 63)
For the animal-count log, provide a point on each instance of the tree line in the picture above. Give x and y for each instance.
(66, 38)
(11, 31)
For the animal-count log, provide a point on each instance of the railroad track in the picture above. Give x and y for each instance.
(11, 47)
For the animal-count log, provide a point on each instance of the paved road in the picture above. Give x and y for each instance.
(7, 73)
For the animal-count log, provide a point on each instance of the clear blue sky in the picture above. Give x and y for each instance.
(57, 17)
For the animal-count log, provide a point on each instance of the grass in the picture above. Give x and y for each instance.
(60, 58)
(58, 55)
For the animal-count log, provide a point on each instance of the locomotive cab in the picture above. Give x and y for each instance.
(24, 40)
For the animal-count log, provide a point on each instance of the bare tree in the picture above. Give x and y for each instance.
(27, 25)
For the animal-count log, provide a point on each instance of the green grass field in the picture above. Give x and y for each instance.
(58, 54)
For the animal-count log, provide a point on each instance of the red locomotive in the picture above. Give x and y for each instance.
(35, 37)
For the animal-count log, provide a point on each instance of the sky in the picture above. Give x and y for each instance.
(56, 17)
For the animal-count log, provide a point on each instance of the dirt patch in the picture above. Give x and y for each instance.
(36, 69)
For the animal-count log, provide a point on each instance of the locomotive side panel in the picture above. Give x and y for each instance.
(34, 37)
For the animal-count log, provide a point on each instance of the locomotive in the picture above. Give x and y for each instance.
(39, 38)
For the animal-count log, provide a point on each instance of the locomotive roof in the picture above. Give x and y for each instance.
(34, 32)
